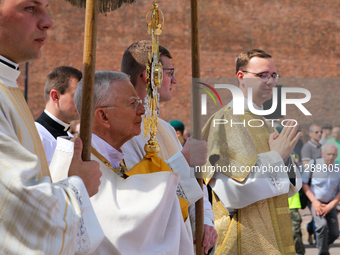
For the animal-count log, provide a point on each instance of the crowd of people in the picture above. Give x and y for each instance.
(123, 201)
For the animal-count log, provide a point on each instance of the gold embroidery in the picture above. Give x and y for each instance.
(120, 171)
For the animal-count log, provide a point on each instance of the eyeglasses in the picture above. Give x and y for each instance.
(172, 73)
(265, 76)
(316, 132)
(133, 105)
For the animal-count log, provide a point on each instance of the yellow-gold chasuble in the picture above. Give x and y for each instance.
(263, 227)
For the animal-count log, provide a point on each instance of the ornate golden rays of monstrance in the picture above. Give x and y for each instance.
(154, 78)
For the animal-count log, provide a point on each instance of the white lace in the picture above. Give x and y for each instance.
(272, 175)
(83, 239)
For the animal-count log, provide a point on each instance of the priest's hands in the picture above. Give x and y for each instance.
(285, 142)
(209, 238)
(195, 152)
(88, 171)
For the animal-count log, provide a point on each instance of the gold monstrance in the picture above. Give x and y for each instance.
(151, 163)
(154, 78)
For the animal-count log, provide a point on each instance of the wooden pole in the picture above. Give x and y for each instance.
(89, 65)
(195, 62)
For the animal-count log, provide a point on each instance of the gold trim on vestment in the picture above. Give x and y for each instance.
(119, 172)
(271, 217)
(275, 224)
(282, 210)
(66, 225)
(239, 246)
(17, 99)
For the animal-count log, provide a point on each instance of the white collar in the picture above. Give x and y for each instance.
(246, 108)
(66, 126)
(16, 66)
(9, 74)
(107, 151)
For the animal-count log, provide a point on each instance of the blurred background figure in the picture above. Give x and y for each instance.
(336, 141)
(323, 194)
(327, 134)
(74, 127)
(60, 110)
(312, 150)
(179, 127)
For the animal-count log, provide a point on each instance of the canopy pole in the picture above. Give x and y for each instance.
(195, 62)
(89, 65)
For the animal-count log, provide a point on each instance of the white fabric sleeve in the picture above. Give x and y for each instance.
(209, 217)
(259, 184)
(48, 141)
(188, 187)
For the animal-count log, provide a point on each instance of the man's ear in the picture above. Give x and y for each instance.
(144, 76)
(178, 133)
(101, 117)
(240, 76)
(54, 95)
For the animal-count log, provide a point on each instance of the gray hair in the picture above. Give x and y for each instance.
(102, 82)
(311, 127)
(327, 145)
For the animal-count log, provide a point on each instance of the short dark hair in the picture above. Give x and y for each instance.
(59, 78)
(136, 57)
(327, 127)
(244, 58)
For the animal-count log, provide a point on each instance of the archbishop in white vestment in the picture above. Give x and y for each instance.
(139, 214)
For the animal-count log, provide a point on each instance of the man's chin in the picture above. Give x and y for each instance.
(30, 57)
(165, 99)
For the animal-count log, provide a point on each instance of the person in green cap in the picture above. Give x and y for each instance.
(179, 127)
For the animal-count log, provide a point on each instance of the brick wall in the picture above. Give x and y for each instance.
(302, 36)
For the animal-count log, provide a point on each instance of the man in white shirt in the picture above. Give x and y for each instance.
(60, 110)
(37, 216)
(324, 195)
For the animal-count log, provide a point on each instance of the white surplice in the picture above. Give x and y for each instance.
(140, 214)
(36, 216)
(170, 145)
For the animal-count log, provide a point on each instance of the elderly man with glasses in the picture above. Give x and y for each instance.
(139, 214)
(251, 201)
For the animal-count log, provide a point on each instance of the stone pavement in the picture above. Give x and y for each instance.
(311, 249)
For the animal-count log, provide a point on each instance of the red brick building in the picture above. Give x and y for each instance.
(302, 36)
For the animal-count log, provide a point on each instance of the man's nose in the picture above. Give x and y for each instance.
(173, 79)
(45, 22)
(140, 109)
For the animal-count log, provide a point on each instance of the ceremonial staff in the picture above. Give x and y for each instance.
(89, 63)
(196, 118)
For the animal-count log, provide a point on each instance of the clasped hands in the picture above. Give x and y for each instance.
(285, 142)
(321, 209)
